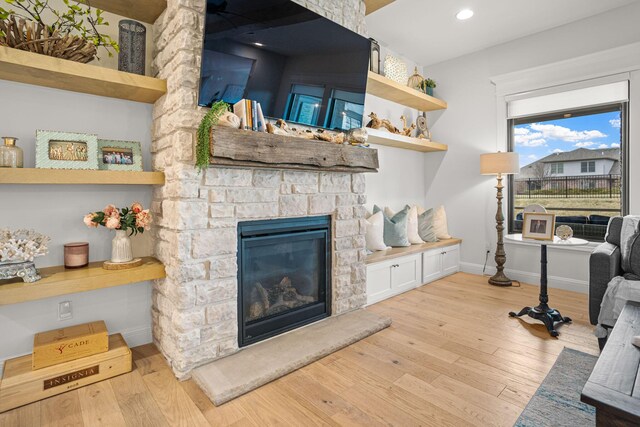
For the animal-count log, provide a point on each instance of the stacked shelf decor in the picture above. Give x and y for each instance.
(385, 88)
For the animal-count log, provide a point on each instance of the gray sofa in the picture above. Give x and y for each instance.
(605, 263)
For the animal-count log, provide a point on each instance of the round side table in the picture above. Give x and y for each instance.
(548, 316)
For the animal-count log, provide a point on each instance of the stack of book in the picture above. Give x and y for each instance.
(62, 360)
(250, 113)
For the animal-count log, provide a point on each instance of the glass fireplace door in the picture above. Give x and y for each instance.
(283, 280)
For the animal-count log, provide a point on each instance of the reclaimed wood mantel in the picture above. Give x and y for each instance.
(241, 148)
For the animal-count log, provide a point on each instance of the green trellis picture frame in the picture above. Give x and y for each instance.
(119, 155)
(66, 150)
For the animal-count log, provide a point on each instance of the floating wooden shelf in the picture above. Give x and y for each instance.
(62, 176)
(141, 10)
(392, 253)
(32, 68)
(59, 281)
(373, 5)
(384, 137)
(388, 89)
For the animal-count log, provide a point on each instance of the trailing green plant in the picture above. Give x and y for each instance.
(204, 131)
(78, 19)
(427, 83)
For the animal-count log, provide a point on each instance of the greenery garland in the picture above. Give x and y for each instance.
(204, 132)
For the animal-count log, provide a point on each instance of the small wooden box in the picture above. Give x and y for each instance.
(74, 342)
(20, 385)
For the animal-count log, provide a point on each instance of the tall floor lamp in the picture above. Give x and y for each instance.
(499, 164)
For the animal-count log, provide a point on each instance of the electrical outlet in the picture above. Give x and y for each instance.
(65, 311)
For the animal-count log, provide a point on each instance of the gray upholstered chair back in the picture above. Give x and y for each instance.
(613, 230)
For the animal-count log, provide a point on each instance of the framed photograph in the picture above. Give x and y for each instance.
(539, 226)
(66, 150)
(119, 155)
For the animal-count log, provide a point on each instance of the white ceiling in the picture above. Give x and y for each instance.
(428, 32)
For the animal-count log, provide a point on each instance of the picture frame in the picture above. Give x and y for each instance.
(115, 155)
(66, 150)
(539, 226)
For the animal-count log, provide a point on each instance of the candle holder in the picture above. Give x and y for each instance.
(76, 255)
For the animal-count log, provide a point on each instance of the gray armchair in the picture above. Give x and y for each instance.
(604, 265)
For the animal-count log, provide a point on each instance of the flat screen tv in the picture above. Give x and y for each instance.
(298, 65)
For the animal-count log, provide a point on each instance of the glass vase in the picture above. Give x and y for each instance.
(11, 156)
(121, 247)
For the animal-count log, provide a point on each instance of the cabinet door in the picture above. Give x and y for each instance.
(378, 282)
(431, 265)
(451, 260)
(405, 273)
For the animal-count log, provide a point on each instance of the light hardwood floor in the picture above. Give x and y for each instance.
(452, 357)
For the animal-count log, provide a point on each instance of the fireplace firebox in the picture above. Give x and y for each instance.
(284, 275)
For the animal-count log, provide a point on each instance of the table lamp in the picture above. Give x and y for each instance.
(500, 164)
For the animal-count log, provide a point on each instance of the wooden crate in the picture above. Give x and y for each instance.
(66, 344)
(21, 385)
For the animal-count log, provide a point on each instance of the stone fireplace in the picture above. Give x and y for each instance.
(201, 217)
(195, 308)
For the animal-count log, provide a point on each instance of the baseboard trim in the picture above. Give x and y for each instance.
(565, 283)
(133, 337)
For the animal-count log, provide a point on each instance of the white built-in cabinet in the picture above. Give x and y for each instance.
(441, 262)
(393, 272)
(392, 277)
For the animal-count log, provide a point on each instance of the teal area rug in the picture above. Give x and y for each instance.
(557, 400)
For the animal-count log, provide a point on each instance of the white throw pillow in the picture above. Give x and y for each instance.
(440, 223)
(412, 226)
(375, 232)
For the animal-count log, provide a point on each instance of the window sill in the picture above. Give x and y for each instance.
(588, 248)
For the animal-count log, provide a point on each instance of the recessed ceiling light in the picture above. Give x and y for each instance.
(258, 44)
(464, 14)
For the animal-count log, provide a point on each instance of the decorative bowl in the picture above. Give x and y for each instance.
(564, 232)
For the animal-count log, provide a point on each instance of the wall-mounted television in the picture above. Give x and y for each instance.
(300, 66)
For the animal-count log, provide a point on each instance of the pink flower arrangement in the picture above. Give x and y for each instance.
(135, 218)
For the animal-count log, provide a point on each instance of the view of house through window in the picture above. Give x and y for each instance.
(572, 164)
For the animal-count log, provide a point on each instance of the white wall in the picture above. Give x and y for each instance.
(469, 126)
(401, 178)
(57, 211)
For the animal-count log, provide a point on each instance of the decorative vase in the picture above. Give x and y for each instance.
(11, 156)
(133, 45)
(121, 247)
(429, 91)
(415, 80)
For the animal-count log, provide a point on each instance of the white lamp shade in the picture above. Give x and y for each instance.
(499, 163)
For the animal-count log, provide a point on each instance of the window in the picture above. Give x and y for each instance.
(557, 168)
(588, 167)
(556, 150)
